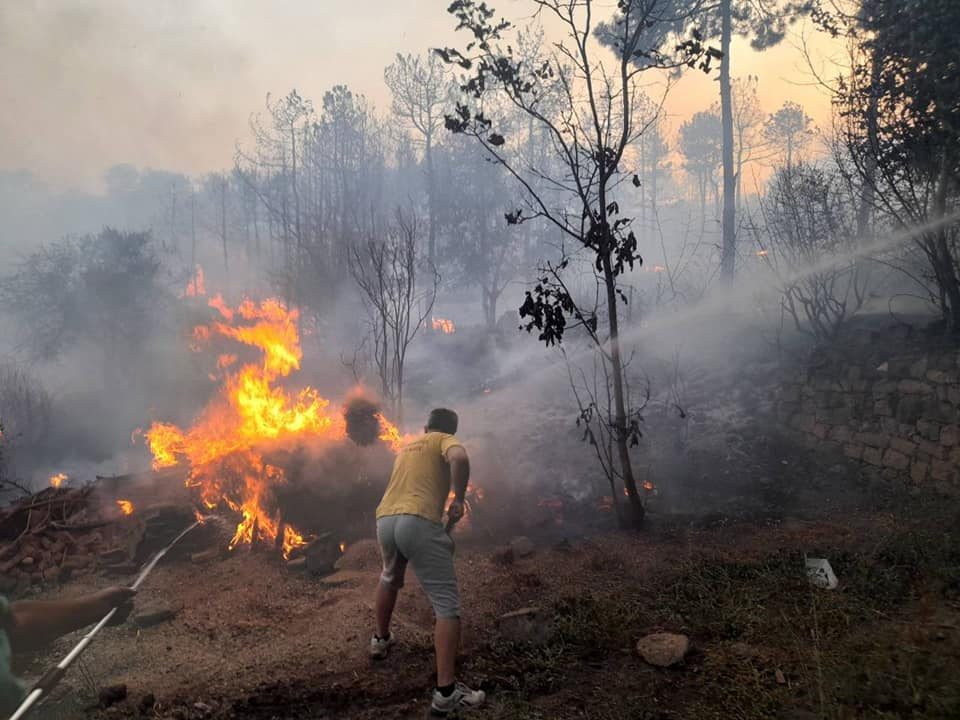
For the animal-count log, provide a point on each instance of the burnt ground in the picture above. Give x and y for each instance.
(253, 640)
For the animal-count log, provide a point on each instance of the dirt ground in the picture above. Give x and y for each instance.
(252, 639)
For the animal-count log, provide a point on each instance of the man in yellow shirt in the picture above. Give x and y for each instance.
(409, 529)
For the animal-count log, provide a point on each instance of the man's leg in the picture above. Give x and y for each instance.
(446, 642)
(430, 550)
(391, 580)
(386, 601)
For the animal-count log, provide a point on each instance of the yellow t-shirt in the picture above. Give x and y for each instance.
(420, 482)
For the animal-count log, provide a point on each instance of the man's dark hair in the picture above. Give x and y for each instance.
(442, 420)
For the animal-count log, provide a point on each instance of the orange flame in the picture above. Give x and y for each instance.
(391, 435)
(195, 288)
(217, 303)
(445, 326)
(58, 479)
(223, 446)
(648, 486)
(762, 253)
(126, 507)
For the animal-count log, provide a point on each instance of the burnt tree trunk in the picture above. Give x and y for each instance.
(729, 248)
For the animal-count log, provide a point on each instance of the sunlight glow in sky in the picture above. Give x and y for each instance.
(92, 83)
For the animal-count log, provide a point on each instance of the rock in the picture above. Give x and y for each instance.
(27, 561)
(874, 456)
(361, 555)
(112, 694)
(950, 435)
(780, 677)
(894, 459)
(522, 546)
(146, 704)
(918, 471)
(154, 614)
(663, 649)
(527, 625)
(321, 556)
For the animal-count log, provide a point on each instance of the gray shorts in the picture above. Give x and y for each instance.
(429, 549)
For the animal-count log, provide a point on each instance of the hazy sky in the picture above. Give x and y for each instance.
(171, 84)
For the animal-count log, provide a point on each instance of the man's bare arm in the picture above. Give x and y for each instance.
(34, 623)
(459, 471)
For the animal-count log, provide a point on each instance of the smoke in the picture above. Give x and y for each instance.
(118, 81)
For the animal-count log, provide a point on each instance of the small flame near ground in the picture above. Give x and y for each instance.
(126, 507)
(443, 325)
(58, 479)
(762, 253)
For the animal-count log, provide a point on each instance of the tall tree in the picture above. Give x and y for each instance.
(578, 194)
(789, 129)
(765, 23)
(398, 290)
(421, 90)
(701, 146)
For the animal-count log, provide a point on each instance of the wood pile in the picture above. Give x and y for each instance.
(47, 537)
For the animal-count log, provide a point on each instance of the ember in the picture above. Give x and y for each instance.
(445, 326)
(58, 479)
(126, 507)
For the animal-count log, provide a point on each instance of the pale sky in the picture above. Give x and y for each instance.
(171, 84)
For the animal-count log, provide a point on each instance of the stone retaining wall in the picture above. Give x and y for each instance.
(893, 410)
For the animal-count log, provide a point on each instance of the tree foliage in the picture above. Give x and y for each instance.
(103, 288)
(900, 123)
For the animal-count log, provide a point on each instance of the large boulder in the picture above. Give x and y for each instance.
(663, 649)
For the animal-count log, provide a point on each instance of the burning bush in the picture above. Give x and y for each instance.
(241, 445)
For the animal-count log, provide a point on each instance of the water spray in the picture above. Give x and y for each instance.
(53, 676)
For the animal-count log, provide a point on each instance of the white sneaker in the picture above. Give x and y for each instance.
(380, 648)
(462, 696)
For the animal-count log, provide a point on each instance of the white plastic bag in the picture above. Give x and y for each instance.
(820, 573)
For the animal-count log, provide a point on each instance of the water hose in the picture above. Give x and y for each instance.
(53, 676)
